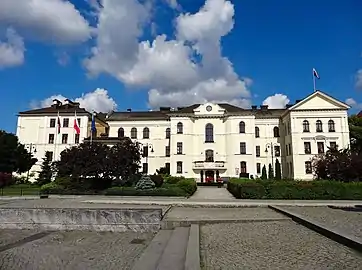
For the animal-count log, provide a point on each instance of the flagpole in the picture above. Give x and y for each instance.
(91, 129)
(75, 117)
(56, 137)
(314, 84)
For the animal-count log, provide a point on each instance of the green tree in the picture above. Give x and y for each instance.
(263, 173)
(13, 155)
(270, 172)
(46, 173)
(355, 129)
(278, 172)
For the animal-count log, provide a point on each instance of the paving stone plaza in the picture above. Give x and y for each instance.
(210, 230)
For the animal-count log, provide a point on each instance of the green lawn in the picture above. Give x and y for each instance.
(19, 190)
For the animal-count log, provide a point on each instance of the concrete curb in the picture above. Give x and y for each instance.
(172, 224)
(338, 236)
(192, 261)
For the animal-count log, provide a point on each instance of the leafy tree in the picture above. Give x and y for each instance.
(13, 155)
(278, 172)
(87, 164)
(263, 173)
(124, 159)
(163, 171)
(46, 173)
(341, 165)
(355, 129)
(270, 172)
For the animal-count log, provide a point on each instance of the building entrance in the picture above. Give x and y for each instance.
(209, 176)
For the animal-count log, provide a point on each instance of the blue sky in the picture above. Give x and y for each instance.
(274, 44)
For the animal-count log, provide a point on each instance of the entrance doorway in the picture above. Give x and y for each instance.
(209, 176)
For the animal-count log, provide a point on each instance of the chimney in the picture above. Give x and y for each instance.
(129, 110)
(264, 107)
(288, 106)
(56, 103)
(165, 109)
(298, 100)
(254, 107)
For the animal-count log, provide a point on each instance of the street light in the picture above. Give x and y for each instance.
(32, 149)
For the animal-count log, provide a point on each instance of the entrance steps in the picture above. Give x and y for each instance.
(176, 249)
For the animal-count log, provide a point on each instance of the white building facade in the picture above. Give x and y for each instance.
(212, 140)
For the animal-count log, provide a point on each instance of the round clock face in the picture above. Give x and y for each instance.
(209, 108)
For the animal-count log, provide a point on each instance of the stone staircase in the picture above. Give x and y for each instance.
(176, 249)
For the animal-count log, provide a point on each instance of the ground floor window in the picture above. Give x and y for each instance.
(308, 167)
(179, 167)
(258, 168)
(243, 167)
(145, 167)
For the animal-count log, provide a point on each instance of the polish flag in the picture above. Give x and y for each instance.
(76, 126)
(58, 124)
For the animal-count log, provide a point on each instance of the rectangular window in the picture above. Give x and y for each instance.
(167, 151)
(258, 168)
(290, 149)
(277, 150)
(49, 155)
(78, 119)
(145, 151)
(307, 148)
(333, 146)
(51, 139)
(179, 148)
(242, 148)
(52, 123)
(76, 138)
(64, 138)
(145, 168)
(179, 167)
(308, 167)
(167, 166)
(320, 146)
(257, 150)
(66, 122)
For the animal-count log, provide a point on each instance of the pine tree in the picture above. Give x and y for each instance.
(263, 173)
(145, 183)
(270, 172)
(46, 173)
(278, 173)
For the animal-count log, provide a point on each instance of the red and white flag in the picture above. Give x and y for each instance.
(76, 126)
(315, 73)
(58, 124)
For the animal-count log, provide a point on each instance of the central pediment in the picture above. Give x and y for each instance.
(209, 109)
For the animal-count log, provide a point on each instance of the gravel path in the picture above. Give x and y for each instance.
(272, 245)
(345, 221)
(76, 250)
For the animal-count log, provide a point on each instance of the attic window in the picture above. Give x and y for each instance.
(209, 108)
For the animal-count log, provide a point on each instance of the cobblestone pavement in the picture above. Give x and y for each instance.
(250, 213)
(272, 245)
(74, 250)
(345, 221)
(212, 193)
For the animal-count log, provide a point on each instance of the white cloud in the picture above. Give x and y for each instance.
(55, 21)
(168, 67)
(277, 101)
(173, 4)
(353, 103)
(98, 100)
(358, 83)
(12, 50)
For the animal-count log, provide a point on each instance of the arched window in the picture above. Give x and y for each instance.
(180, 128)
(276, 132)
(146, 133)
(209, 133)
(305, 126)
(319, 126)
(209, 155)
(134, 133)
(120, 132)
(331, 127)
(242, 127)
(168, 133)
(257, 132)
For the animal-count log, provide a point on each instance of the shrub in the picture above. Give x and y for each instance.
(188, 185)
(174, 179)
(295, 190)
(157, 179)
(6, 179)
(131, 191)
(51, 188)
(263, 173)
(145, 183)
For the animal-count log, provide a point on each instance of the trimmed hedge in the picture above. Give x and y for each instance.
(295, 190)
(131, 191)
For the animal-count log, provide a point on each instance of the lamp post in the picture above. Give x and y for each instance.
(271, 146)
(149, 146)
(32, 149)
